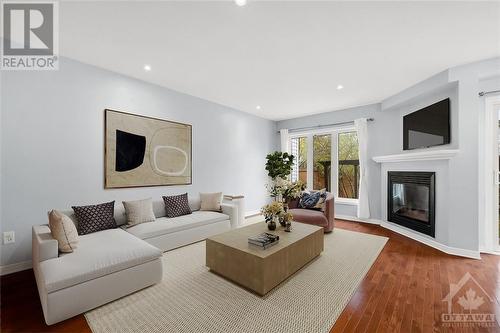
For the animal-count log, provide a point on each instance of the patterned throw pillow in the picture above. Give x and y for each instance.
(308, 200)
(95, 218)
(322, 199)
(313, 199)
(177, 205)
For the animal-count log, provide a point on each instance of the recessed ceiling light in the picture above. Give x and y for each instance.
(241, 3)
(258, 107)
(147, 68)
(340, 87)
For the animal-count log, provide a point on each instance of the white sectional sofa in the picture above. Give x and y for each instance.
(112, 263)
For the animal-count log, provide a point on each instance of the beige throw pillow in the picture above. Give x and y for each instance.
(322, 199)
(211, 201)
(63, 230)
(139, 211)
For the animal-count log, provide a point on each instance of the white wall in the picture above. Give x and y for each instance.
(52, 139)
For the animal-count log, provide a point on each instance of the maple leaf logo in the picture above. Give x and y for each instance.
(470, 301)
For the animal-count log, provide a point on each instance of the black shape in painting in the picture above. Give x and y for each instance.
(130, 150)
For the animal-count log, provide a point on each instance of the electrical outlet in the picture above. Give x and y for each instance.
(9, 237)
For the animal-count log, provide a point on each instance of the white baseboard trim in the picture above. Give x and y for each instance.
(252, 213)
(496, 253)
(422, 239)
(356, 219)
(13, 268)
(432, 243)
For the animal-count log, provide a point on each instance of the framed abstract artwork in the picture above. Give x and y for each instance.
(144, 151)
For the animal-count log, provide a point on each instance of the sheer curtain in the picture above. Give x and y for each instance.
(284, 140)
(363, 200)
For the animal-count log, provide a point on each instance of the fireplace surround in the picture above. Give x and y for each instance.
(411, 200)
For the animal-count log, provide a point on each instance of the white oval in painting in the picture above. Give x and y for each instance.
(169, 160)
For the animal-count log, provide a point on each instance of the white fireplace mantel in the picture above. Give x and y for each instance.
(428, 155)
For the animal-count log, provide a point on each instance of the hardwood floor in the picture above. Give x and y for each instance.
(402, 292)
(404, 289)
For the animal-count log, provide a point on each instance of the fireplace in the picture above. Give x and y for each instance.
(410, 200)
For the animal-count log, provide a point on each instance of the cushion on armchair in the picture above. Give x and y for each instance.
(313, 199)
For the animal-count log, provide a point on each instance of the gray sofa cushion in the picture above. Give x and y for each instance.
(98, 254)
(164, 225)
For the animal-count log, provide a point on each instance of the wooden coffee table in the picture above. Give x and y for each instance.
(260, 270)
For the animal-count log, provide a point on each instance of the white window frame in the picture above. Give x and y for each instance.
(334, 174)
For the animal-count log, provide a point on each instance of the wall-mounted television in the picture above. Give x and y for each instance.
(427, 127)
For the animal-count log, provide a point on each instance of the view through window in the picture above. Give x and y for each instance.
(344, 164)
(298, 148)
(348, 165)
(322, 155)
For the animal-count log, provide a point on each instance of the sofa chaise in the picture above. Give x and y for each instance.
(112, 263)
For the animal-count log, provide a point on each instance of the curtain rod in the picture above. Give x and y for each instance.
(482, 93)
(327, 125)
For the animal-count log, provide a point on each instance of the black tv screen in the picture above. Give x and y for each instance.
(427, 127)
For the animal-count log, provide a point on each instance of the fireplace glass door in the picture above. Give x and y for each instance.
(411, 201)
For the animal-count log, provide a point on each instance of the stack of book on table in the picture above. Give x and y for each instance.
(264, 240)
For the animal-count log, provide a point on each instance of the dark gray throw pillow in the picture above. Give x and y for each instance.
(95, 218)
(177, 205)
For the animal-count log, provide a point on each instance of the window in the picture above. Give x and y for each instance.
(348, 155)
(298, 148)
(322, 153)
(327, 159)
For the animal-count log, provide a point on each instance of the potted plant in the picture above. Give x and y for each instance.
(272, 213)
(279, 164)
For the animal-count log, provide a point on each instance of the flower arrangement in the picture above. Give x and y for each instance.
(277, 212)
(293, 190)
(283, 189)
(271, 210)
(287, 216)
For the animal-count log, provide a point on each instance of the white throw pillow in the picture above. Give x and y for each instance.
(139, 211)
(63, 230)
(211, 201)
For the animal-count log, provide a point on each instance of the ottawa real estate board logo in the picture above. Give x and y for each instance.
(30, 39)
(468, 306)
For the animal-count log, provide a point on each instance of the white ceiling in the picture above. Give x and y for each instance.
(287, 57)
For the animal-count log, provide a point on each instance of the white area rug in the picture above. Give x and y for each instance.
(192, 299)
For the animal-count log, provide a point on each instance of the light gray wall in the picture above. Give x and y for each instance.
(376, 132)
(464, 169)
(52, 139)
(384, 133)
(460, 222)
